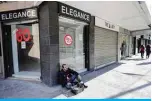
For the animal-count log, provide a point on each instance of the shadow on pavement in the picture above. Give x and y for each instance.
(138, 59)
(89, 76)
(144, 63)
(131, 90)
(132, 74)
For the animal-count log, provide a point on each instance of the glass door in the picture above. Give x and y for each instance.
(26, 52)
(71, 43)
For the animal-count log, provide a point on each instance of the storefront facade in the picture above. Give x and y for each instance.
(62, 31)
(38, 40)
(20, 34)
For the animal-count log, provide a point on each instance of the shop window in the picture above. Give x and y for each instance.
(71, 43)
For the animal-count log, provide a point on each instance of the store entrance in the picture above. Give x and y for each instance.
(25, 50)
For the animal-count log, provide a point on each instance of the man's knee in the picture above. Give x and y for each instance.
(79, 78)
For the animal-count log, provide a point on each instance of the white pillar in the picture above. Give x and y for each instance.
(130, 46)
(1, 57)
(14, 49)
(118, 47)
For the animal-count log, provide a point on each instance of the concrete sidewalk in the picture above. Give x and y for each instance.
(131, 78)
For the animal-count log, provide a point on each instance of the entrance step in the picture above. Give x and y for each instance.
(25, 75)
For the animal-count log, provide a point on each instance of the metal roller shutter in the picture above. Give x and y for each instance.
(105, 46)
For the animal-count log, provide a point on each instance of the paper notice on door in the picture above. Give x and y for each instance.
(80, 37)
(23, 45)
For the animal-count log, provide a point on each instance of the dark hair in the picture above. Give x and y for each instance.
(63, 65)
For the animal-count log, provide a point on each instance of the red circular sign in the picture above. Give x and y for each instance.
(68, 39)
(23, 35)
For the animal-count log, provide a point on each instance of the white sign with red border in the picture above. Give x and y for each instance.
(68, 39)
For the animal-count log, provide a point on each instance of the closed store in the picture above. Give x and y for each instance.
(105, 46)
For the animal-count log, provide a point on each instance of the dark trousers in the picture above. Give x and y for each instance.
(147, 54)
(74, 80)
(142, 54)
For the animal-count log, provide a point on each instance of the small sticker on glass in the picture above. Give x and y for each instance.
(23, 45)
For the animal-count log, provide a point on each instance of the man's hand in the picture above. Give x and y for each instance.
(68, 79)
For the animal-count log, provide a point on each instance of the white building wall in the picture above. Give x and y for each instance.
(13, 5)
(141, 32)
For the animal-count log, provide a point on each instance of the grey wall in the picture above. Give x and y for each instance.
(49, 42)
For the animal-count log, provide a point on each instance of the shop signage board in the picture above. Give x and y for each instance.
(105, 24)
(68, 39)
(22, 14)
(109, 25)
(68, 11)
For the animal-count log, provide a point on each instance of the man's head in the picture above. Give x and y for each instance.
(64, 67)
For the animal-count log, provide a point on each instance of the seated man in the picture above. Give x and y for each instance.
(69, 77)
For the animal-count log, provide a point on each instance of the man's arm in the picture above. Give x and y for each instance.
(62, 79)
(73, 72)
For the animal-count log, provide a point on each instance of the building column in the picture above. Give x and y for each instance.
(49, 42)
(130, 46)
(119, 47)
(91, 44)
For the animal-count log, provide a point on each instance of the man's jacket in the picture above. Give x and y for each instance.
(64, 74)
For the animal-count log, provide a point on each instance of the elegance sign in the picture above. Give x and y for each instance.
(72, 12)
(30, 13)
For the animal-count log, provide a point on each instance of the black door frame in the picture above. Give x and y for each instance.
(86, 46)
(7, 50)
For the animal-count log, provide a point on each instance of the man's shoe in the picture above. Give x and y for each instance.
(85, 86)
